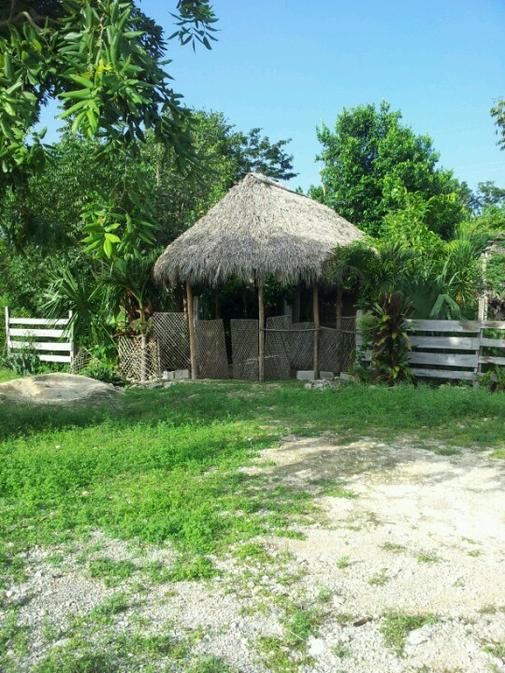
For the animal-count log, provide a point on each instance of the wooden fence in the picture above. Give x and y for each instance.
(52, 340)
(452, 349)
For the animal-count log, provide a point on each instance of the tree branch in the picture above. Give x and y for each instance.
(18, 18)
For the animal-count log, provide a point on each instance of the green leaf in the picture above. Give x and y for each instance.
(88, 83)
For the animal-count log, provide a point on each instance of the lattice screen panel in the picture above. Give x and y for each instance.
(277, 347)
(328, 349)
(136, 362)
(171, 333)
(244, 344)
(211, 345)
(348, 343)
(301, 351)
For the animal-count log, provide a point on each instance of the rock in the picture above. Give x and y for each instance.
(308, 375)
(59, 389)
(316, 647)
(419, 636)
(319, 384)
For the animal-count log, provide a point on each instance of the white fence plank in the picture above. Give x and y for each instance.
(38, 321)
(42, 345)
(55, 358)
(444, 326)
(446, 342)
(492, 360)
(434, 356)
(444, 359)
(56, 333)
(38, 330)
(443, 374)
(492, 343)
(493, 324)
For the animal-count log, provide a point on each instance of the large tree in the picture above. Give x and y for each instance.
(371, 159)
(125, 208)
(102, 59)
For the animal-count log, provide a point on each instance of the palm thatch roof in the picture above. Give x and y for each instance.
(257, 230)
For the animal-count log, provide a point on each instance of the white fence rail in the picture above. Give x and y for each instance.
(452, 349)
(52, 340)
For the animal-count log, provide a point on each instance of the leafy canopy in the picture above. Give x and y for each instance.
(102, 59)
(371, 161)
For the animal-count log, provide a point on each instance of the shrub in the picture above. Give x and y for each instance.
(24, 362)
(385, 331)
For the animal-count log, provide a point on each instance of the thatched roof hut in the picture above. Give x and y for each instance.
(259, 229)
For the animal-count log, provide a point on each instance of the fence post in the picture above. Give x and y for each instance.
(359, 336)
(71, 339)
(478, 369)
(7, 339)
(338, 330)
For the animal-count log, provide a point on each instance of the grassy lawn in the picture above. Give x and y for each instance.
(7, 375)
(164, 467)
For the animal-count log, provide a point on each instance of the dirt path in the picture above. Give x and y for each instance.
(425, 534)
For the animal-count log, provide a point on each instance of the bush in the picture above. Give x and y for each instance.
(24, 362)
(494, 380)
(385, 331)
(102, 365)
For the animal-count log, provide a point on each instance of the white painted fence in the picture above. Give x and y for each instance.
(52, 340)
(452, 349)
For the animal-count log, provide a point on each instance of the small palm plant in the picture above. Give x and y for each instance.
(387, 335)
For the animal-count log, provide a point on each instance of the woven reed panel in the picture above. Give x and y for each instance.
(211, 349)
(171, 333)
(277, 365)
(137, 363)
(244, 346)
(301, 353)
(348, 343)
(328, 349)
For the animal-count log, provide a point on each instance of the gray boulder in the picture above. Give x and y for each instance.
(60, 389)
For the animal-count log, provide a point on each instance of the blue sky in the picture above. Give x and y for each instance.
(288, 65)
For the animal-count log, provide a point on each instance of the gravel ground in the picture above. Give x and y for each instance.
(419, 534)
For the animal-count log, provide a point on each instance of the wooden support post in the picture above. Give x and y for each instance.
(191, 331)
(7, 337)
(216, 303)
(261, 333)
(358, 337)
(338, 326)
(317, 328)
(297, 304)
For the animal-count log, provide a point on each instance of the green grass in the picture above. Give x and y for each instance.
(427, 557)
(7, 375)
(496, 649)
(165, 468)
(343, 562)
(111, 572)
(379, 579)
(396, 627)
(393, 547)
